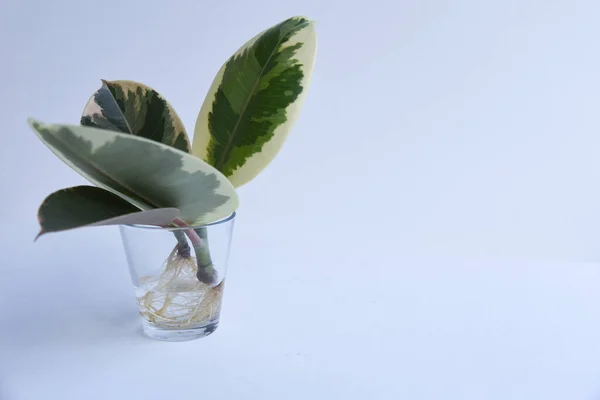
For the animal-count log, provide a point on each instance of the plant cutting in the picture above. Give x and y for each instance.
(153, 182)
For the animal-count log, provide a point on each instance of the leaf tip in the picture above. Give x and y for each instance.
(303, 20)
(40, 233)
(34, 123)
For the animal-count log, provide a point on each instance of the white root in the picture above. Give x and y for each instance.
(176, 299)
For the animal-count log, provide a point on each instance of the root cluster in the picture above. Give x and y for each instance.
(176, 299)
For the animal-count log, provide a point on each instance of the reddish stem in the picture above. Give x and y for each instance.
(206, 271)
(194, 238)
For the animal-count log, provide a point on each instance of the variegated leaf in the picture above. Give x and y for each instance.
(85, 206)
(144, 172)
(131, 107)
(255, 99)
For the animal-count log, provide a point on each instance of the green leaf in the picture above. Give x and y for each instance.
(84, 206)
(255, 99)
(146, 173)
(131, 107)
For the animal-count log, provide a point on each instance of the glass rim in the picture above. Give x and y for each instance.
(182, 228)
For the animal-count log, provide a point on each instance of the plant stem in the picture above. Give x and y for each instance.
(198, 237)
(183, 248)
(203, 257)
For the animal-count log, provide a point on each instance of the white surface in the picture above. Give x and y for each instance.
(430, 230)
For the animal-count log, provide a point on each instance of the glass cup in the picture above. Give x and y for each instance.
(178, 275)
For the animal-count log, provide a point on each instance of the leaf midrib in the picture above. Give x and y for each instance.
(227, 150)
(105, 82)
(105, 175)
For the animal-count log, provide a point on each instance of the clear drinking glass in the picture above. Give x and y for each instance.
(178, 274)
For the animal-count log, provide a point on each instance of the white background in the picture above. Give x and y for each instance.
(431, 229)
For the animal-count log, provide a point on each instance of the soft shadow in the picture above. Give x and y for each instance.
(80, 307)
(82, 323)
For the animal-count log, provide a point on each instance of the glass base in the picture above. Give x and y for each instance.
(178, 335)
